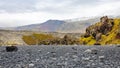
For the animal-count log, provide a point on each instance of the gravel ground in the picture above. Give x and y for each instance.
(61, 57)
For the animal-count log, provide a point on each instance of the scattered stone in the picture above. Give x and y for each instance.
(107, 56)
(11, 48)
(54, 58)
(74, 48)
(101, 58)
(91, 51)
(39, 50)
(86, 59)
(31, 65)
(75, 56)
(88, 51)
(94, 51)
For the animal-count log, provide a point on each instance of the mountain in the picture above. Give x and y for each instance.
(77, 26)
(63, 26)
(48, 26)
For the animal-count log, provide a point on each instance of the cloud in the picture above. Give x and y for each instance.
(17, 5)
(23, 12)
(53, 6)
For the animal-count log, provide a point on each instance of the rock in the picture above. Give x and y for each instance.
(87, 35)
(118, 46)
(11, 48)
(88, 51)
(74, 48)
(97, 43)
(103, 28)
(101, 58)
(104, 19)
(98, 36)
(85, 59)
(91, 51)
(31, 65)
(94, 51)
(118, 36)
(54, 58)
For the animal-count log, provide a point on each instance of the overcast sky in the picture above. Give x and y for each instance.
(23, 12)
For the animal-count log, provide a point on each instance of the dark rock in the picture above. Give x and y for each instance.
(97, 43)
(94, 51)
(103, 28)
(104, 19)
(107, 24)
(118, 36)
(118, 46)
(74, 48)
(87, 35)
(11, 48)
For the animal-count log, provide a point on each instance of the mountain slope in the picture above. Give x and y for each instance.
(77, 26)
(48, 26)
(71, 26)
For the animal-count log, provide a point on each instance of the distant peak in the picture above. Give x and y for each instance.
(53, 20)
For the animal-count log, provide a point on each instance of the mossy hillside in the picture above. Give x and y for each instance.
(36, 38)
(48, 39)
(111, 37)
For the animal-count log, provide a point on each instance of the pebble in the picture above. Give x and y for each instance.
(86, 59)
(91, 51)
(61, 57)
(31, 65)
(101, 57)
(88, 51)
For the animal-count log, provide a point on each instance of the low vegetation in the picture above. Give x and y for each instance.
(105, 32)
(48, 39)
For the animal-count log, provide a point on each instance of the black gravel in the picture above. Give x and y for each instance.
(61, 57)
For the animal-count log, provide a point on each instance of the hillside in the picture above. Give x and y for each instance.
(77, 26)
(10, 37)
(48, 26)
(61, 26)
(105, 32)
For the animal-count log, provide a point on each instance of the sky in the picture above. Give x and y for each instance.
(23, 12)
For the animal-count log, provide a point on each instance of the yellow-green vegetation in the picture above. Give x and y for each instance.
(36, 38)
(29, 40)
(48, 39)
(87, 41)
(108, 30)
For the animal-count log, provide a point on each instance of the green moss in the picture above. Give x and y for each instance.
(87, 41)
(47, 39)
(109, 38)
(29, 40)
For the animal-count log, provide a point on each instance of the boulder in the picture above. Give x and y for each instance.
(98, 36)
(104, 19)
(11, 48)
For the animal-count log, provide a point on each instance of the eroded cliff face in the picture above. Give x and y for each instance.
(107, 31)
